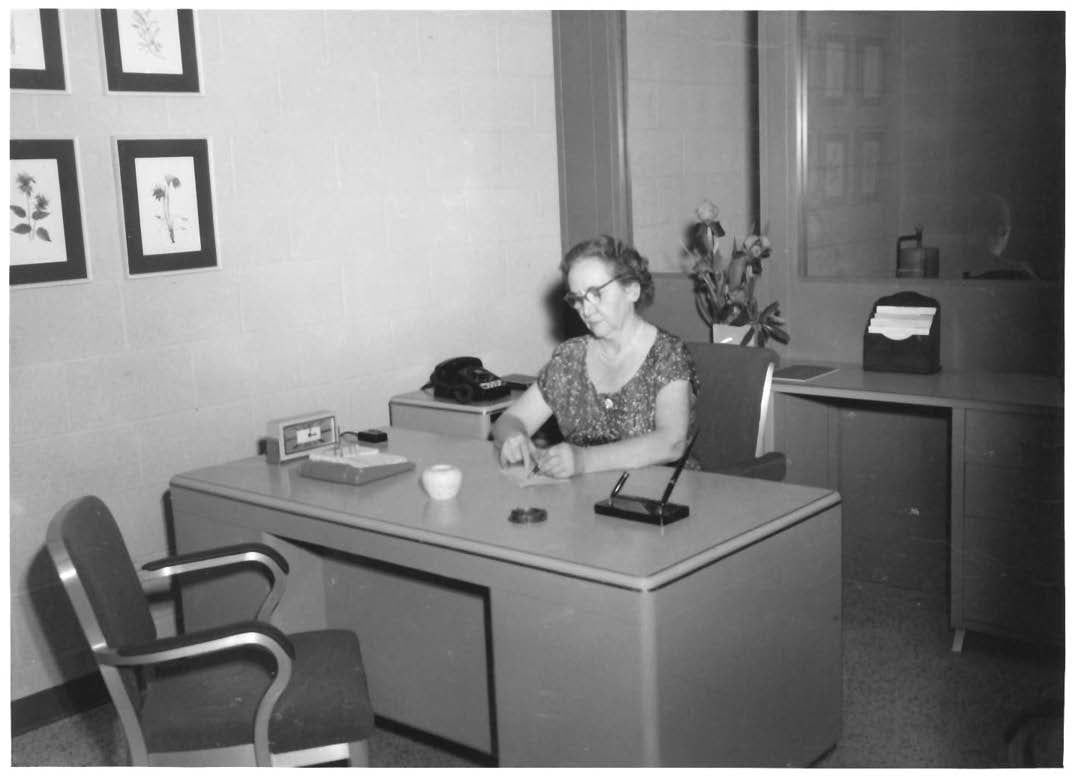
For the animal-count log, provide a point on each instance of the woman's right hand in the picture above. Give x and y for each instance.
(518, 448)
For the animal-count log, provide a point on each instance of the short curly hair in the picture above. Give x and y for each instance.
(624, 260)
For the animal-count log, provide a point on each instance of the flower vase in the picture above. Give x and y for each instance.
(731, 335)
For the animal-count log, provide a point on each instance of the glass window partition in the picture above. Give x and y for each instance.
(939, 130)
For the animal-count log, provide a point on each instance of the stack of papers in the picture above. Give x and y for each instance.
(902, 322)
(358, 457)
(361, 465)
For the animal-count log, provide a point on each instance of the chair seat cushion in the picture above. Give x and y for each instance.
(211, 702)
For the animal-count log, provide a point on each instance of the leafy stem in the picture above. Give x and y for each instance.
(37, 209)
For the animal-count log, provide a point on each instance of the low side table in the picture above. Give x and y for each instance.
(421, 410)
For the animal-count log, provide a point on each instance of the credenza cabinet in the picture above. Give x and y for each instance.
(1008, 540)
(1003, 531)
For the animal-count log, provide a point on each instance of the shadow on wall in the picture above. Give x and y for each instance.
(563, 321)
(59, 624)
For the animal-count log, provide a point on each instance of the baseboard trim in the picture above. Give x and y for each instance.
(64, 700)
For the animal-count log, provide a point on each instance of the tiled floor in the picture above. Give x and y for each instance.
(908, 702)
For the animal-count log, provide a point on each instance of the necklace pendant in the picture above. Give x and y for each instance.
(608, 403)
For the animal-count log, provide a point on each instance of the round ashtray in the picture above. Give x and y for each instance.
(527, 515)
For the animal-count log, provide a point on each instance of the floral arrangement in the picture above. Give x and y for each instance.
(723, 287)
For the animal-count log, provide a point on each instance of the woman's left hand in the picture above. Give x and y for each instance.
(561, 461)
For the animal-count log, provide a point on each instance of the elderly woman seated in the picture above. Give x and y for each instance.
(623, 395)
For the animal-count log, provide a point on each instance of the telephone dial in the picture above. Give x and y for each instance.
(465, 379)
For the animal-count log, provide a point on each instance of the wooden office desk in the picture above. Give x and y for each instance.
(583, 640)
(1006, 490)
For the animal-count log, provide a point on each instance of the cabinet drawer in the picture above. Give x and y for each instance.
(1015, 439)
(1033, 497)
(1012, 579)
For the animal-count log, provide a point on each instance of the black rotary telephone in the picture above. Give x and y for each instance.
(465, 379)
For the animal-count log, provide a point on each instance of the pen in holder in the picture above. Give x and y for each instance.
(625, 506)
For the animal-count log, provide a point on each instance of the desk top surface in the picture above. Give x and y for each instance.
(976, 390)
(726, 513)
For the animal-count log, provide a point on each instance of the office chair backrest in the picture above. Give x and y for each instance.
(732, 404)
(95, 567)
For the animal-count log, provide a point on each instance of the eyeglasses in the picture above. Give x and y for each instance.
(592, 295)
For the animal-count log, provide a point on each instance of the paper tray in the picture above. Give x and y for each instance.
(354, 475)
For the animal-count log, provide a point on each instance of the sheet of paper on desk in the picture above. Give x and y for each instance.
(800, 373)
(522, 477)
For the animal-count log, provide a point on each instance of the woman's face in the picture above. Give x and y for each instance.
(616, 304)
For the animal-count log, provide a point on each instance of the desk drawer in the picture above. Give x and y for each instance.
(1031, 497)
(1014, 439)
(1012, 581)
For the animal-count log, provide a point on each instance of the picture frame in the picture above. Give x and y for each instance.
(47, 234)
(152, 50)
(37, 59)
(871, 70)
(166, 197)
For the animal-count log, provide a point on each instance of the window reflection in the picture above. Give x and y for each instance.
(947, 121)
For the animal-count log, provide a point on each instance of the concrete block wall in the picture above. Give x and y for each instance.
(690, 87)
(385, 196)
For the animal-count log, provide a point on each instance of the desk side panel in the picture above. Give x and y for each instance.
(423, 643)
(749, 653)
(573, 681)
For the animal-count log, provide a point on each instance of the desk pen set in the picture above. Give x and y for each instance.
(650, 511)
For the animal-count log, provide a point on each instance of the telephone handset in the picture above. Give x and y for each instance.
(465, 379)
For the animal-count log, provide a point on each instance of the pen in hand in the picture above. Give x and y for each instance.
(536, 467)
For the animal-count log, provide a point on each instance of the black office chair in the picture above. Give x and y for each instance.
(733, 404)
(239, 694)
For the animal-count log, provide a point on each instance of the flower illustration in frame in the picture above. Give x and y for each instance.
(150, 50)
(167, 208)
(167, 204)
(37, 61)
(46, 234)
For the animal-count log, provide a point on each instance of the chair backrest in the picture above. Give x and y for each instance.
(735, 390)
(95, 567)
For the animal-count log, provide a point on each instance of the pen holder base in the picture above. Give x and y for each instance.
(625, 506)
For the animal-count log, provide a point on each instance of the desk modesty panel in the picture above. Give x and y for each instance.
(582, 640)
(1006, 483)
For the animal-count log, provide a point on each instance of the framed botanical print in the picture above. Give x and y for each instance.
(47, 237)
(37, 50)
(150, 50)
(166, 194)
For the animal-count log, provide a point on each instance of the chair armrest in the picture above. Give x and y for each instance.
(239, 553)
(771, 466)
(217, 639)
(201, 642)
